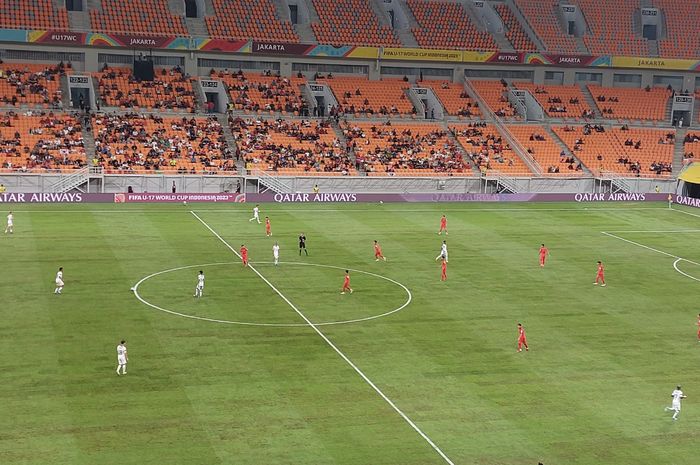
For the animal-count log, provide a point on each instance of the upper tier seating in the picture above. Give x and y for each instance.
(361, 96)
(444, 24)
(389, 149)
(541, 16)
(263, 92)
(139, 143)
(22, 84)
(546, 152)
(33, 14)
(629, 103)
(291, 147)
(170, 90)
(515, 32)
(494, 95)
(145, 17)
(682, 39)
(630, 151)
(488, 151)
(559, 101)
(611, 28)
(33, 142)
(248, 19)
(350, 22)
(454, 98)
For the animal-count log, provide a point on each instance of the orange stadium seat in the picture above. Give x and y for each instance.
(558, 101)
(350, 22)
(485, 147)
(494, 95)
(31, 84)
(249, 19)
(48, 142)
(405, 149)
(361, 96)
(146, 17)
(682, 39)
(444, 24)
(514, 31)
(610, 28)
(33, 14)
(691, 147)
(630, 103)
(630, 151)
(545, 151)
(454, 99)
(170, 90)
(541, 15)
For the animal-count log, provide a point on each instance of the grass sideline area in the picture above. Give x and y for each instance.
(591, 391)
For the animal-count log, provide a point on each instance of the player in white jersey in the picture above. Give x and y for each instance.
(675, 407)
(10, 223)
(59, 281)
(122, 357)
(443, 252)
(276, 253)
(256, 214)
(199, 290)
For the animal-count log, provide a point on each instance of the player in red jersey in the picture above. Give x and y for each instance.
(346, 283)
(443, 265)
(600, 277)
(378, 252)
(443, 225)
(244, 255)
(268, 228)
(522, 340)
(544, 251)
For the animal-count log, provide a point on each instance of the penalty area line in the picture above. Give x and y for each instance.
(332, 345)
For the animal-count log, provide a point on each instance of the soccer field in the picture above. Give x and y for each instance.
(274, 366)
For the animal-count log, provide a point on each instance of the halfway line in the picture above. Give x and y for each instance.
(333, 346)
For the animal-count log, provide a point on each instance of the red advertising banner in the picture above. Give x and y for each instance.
(570, 60)
(506, 57)
(63, 38)
(279, 48)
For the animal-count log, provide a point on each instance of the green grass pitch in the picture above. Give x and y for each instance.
(592, 389)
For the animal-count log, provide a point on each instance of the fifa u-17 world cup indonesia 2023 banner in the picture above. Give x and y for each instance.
(69, 198)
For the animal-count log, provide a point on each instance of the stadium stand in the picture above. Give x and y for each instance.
(33, 14)
(627, 151)
(542, 18)
(691, 147)
(263, 92)
(494, 95)
(291, 147)
(682, 39)
(33, 85)
(559, 101)
(248, 19)
(350, 22)
(610, 28)
(390, 149)
(454, 99)
(147, 17)
(140, 143)
(170, 90)
(552, 160)
(363, 97)
(484, 145)
(32, 142)
(444, 24)
(631, 103)
(514, 30)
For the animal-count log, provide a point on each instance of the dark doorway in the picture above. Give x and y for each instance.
(391, 18)
(212, 102)
(293, 14)
(74, 5)
(649, 32)
(321, 106)
(191, 9)
(80, 98)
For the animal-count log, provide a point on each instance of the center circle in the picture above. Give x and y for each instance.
(135, 290)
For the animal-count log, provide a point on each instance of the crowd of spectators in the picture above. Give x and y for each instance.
(170, 89)
(22, 84)
(268, 92)
(138, 142)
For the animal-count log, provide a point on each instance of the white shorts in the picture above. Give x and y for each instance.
(276, 255)
(59, 282)
(200, 286)
(676, 406)
(9, 224)
(121, 360)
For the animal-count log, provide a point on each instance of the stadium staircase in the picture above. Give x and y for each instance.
(590, 100)
(502, 41)
(616, 183)
(74, 181)
(679, 151)
(669, 110)
(79, 21)
(313, 14)
(406, 36)
(93, 5)
(65, 92)
(380, 13)
(456, 142)
(196, 27)
(525, 24)
(553, 135)
(89, 143)
(501, 184)
(344, 142)
(230, 140)
(282, 10)
(267, 182)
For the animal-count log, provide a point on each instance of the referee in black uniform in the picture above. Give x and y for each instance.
(302, 244)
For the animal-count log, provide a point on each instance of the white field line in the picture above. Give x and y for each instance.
(675, 265)
(676, 231)
(332, 346)
(685, 212)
